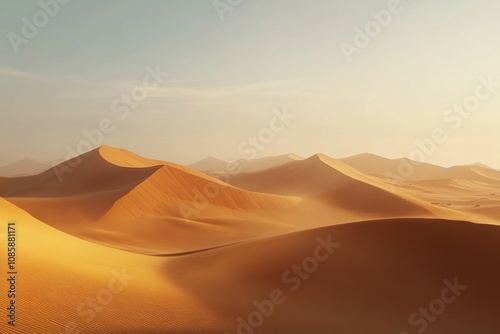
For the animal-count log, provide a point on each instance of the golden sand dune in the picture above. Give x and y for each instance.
(117, 198)
(89, 174)
(298, 178)
(479, 200)
(487, 172)
(192, 212)
(334, 182)
(469, 192)
(459, 192)
(407, 170)
(401, 168)
(383, 272)
(379, 274)
(68, 285)
(175, 251)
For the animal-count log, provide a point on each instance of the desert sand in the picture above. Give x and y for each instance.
(162, 248)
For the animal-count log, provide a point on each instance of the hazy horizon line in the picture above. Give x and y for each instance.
(61, 160)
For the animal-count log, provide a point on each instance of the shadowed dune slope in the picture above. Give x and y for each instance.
(176, 211)
(382, 272)
(298, 178)
(168, 187)
(331, 180)
(117, 198)
(88, 174)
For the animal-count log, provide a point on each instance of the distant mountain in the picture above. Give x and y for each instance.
(209, 164)
(409, 170)
(213, 165)
(24, 167)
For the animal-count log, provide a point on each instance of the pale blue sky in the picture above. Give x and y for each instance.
(226, 78)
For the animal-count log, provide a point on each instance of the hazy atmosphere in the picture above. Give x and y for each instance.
(414, 79)
(250, 166)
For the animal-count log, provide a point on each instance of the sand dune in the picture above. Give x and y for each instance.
(331, 180)
(183, 206)
(385, 168)
(91, 174)
(298, 178)
(478, 200)
(59, 274)
(203, 252)
(406, 170)
(117, 198)
(466, 192)
(382, 273)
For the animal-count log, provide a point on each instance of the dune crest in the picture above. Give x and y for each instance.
(117, 198)
(190, 243)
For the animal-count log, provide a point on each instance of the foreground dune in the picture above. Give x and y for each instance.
(59, 275)
(379, 273)
(127, 245)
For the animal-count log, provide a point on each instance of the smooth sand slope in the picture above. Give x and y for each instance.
(378, 275)
(473, 194)
(61, 277)
(382, 272)
(117, 198)
(471, 189)
(331, 181)
(203, 253)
